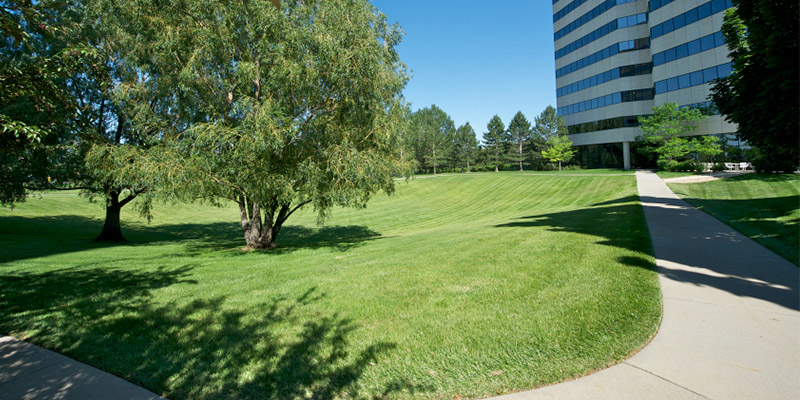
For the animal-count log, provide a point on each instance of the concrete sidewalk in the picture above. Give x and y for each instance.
(730, 327)
(29, 372)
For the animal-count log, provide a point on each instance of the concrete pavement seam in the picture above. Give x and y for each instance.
(665, 379)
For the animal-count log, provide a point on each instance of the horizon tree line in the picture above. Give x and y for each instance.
(432, 141)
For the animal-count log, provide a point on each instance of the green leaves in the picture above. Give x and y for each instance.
(762, 94)
(559, 149)
(667, 126)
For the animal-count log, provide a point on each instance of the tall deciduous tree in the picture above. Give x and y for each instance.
(495, 140)
(559, 149)
(519, 130)
(37, 113)
(762, 94)
(283, 108)
(666, 129)
(434, 131)
(467, 144)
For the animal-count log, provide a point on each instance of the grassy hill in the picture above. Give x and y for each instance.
(465, 285)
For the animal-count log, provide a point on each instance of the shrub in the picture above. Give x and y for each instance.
(667, 165)
(686, 166)
(718, 166)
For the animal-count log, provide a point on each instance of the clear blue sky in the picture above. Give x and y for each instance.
(474, 59)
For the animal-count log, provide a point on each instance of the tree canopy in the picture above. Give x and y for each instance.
(495, 140)
(466, 144)
(666, 128)
(559, 149)
(762, 94)
(519, 131)
(433, 133)
(271, 109)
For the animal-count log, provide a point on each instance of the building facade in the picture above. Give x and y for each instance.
(616, 59)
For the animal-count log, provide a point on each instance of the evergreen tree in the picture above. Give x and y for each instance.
(519, 131)
(495, 140)
(466, 144)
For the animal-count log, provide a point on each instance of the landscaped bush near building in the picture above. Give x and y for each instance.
(667, 165)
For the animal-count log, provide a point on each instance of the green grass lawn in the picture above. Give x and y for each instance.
(670, 174)
(461, 286)
(765, 208)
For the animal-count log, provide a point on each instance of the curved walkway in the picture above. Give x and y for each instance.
(730, 327)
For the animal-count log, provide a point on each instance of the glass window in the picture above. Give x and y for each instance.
(594, 103)
(706, 42)
(658, 58)
(606, 53)
(709, 74)
(669, 55)
(717, 6)
(679, 21)
(682, 51)
(684, 81)
(613, 50)
(704, 11)
(672, 84)
(697, 78)
(669, 26)
(641, 18)
(622, 22)
(661, 87)
(614, 74)
(593, 81)
(719, 40)
(694, 46)
(657, 31)
(691, 16)
(724, 70)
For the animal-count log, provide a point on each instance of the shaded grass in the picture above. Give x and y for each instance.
(765, 208)
(468, 286)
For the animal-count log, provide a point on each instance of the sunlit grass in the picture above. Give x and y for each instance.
(468, 286)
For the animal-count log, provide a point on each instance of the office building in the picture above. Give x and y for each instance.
(616, 59)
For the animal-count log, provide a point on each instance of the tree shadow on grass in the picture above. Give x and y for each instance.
(25, 238)
(619, 224)
(282, 348)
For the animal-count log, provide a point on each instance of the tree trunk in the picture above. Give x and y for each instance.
(258, 234)
(520, 156)
(467, 165)
(112, 231)
(434, 161)
(559, 165)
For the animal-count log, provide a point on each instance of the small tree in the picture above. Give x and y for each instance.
(667, 126)
(706, 148)
(519, 130)
(559, 148)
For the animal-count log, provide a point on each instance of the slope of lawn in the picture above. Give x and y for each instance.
(765, 208)
(461, 286)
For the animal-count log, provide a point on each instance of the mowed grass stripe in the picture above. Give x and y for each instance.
(455, 286)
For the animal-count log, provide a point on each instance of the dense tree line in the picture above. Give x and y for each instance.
(435, 145)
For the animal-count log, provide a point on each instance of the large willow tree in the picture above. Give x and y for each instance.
(276, 109)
